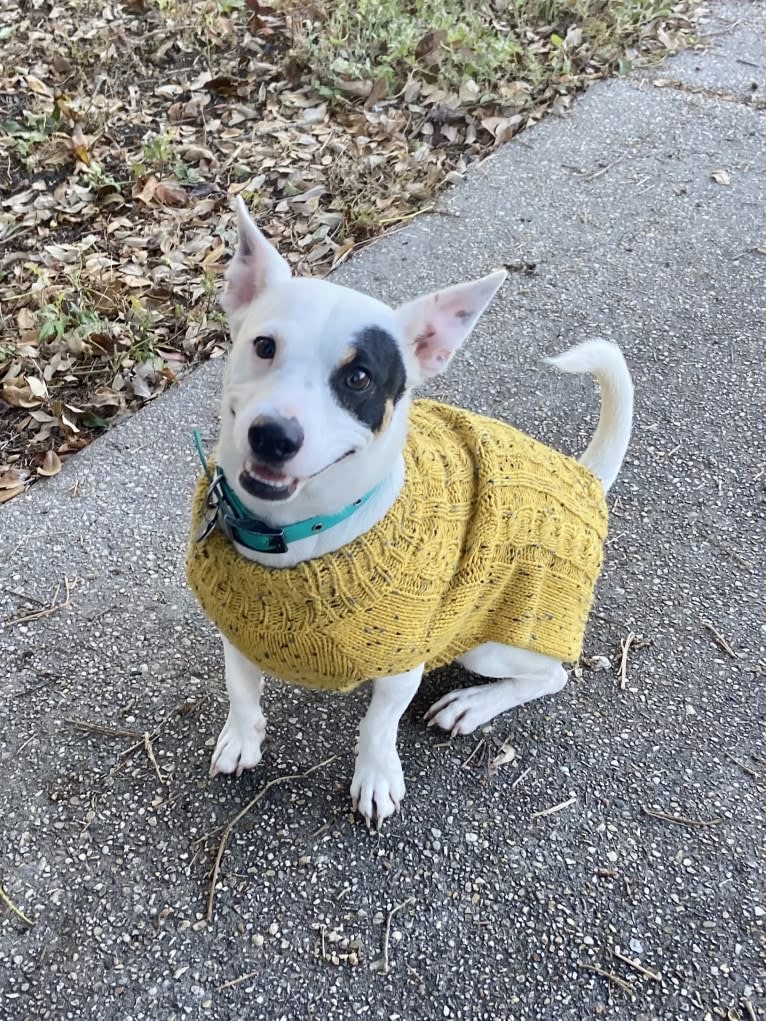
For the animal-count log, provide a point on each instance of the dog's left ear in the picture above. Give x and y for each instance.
(437, 324)
(256, 264)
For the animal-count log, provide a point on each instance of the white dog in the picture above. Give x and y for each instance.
(314, 466)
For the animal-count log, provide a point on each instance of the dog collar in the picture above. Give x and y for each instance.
(223, 507)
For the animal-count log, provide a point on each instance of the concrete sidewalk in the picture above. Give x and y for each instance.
(655, 849)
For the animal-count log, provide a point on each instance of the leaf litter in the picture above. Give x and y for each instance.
(126, 127)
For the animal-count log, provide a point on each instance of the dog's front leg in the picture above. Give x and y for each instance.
(378, 784)
(239, 744)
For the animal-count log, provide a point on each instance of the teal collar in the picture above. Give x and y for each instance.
(224, 508)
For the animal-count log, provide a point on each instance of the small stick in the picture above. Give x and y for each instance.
(681, 820)
(719, 638)
(17, 911)
(747, 1004)
(625, 644)
(24, 595)
(743, 766)
(236, 981)
(520, 777)
(229, 826)
(476, 749)
(593, 175)
(46, 611)
(97, 728)
(149, 749)
(387, 933)
(626, 986)
(654, 975)
(405, 217)
(555, 808)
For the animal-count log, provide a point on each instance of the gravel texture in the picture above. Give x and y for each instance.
(613, 226)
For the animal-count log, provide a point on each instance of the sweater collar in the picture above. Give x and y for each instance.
(224, 508)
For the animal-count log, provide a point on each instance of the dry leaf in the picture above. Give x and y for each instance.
(8, 494)
(721, 177)
(170, 194)
(51, 464)
(19, 395)
(505, 756)
(11, 478)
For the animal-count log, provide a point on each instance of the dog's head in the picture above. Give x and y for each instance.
(319, 375)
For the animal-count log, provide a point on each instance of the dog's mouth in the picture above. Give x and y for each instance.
(269, 484)
(266, 483)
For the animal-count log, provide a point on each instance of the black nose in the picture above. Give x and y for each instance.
(275, 439)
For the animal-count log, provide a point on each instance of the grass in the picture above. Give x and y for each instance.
(491, 44)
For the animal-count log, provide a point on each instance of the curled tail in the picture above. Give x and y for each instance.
(605, 361)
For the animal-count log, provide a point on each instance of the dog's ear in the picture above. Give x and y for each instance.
(437, 324)
(256, 264)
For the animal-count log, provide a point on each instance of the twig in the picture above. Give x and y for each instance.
(387, 933)
(597, 173)
(149, 749)
(520, 777)
(654, 975)
(97, 728)
(17, 911)
(23, 595)
(406, 216)
(555, 808)
(625, 644)
(46, 611)
(476, 749)
(229, 826)
(680, 820)
(719, 638)
(743, 766)
(747, 1004)
(236, 981)
(626, 986)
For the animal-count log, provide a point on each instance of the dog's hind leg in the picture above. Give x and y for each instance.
(239, 744)
(524, 676)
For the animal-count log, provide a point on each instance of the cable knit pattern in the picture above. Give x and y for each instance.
(494, 537)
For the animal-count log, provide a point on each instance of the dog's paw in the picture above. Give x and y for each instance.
(378, 785)
(461, 712)
(239, 745)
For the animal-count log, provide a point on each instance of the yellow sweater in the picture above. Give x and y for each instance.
(494, 537)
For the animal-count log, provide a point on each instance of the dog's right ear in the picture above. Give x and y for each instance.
(256, 264)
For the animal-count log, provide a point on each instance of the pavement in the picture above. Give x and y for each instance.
(614, 868)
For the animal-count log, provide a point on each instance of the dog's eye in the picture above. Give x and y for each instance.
(358, 379)
(265, 347)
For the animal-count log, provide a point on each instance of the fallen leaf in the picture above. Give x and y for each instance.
(37, 387)
(8, 494)
(19, 395)
(51, 464)
(427, 50)
(505, 756)
(11, 478)
(171, 194)
(721, 177)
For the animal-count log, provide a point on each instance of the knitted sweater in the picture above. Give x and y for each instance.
(494, 537)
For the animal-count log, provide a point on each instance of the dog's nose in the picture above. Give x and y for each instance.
(275, 439)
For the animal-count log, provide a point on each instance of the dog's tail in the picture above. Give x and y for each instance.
(605, 361)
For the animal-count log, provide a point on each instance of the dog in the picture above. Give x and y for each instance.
(311, 486)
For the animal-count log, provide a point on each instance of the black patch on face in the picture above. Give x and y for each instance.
(375, 352)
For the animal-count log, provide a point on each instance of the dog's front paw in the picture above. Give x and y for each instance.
(378, 785)
(239, 745)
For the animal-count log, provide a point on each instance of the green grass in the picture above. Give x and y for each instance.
(490, 43)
